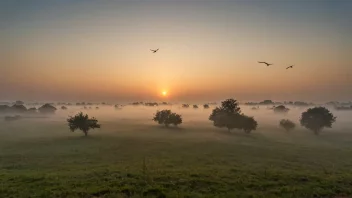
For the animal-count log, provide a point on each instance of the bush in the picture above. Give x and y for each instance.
(166, 117)
(281, 109)
(47, 109)
(185, 105)
(317, 118)
(32, 110)
(4, 108)
(229, 115)
(287, 124)
(83, 123)
(16, 108)
(19, 102)
(248, 124)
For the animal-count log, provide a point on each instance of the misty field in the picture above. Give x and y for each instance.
(131, 156)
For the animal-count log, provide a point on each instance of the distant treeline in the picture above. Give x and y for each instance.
(270, 102)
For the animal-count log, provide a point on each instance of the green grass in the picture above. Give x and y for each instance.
(128, 159)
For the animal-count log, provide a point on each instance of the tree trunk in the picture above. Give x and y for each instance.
(85, 133)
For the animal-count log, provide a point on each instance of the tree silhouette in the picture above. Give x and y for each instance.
(16, 108)
(230, 106)
(281, 109)
(206, 106)
(19, 102)
(317, 118)
(47, 109)
(248, 124)
(287, 124)
(229, 115)
(166, 117)
(185, 105)
(83, 123)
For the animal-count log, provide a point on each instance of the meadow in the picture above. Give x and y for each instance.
(131, 156)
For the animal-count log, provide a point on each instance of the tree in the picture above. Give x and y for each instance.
(248, 124)
(206, 106)
(166, 117)
(229, 115)
(47, 109)
(185, 105)
(32, 110)
(287, 124)
(230, 106)
(19, 102)
(18, 108)
(195, 106)
(82, 122)
(317, 118)
(266, 102)
(4, 108)
(281, 109)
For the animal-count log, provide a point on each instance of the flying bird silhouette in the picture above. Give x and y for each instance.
(267, 64)
(290, 67)
(154, 51)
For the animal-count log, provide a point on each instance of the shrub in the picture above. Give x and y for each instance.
(166, 117)
(281, 109)
(287, 124)
(47, 109)
(17, 108)
(185, 105)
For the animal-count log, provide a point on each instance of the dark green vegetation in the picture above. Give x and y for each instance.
(129, 158)
(288, 125)
(317, 118)
(229, 116)
(166, 117)
(82, 122)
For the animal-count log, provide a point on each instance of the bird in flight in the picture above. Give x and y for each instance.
(267, 64)
(154, 51)
(290, 67)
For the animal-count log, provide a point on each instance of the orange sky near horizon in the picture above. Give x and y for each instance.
(95, 51)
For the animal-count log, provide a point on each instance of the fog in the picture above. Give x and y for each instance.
(141, 114)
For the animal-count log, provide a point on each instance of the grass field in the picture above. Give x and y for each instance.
(133, 158)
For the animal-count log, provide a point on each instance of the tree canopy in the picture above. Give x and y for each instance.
(229, 115)
(287, 124)
(82, 122)
(317, 118)
(166, 117)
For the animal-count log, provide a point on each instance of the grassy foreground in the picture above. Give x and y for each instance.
(126, 159)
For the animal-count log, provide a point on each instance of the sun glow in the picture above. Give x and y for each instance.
(164, 93)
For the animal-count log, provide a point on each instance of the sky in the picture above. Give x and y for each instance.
(75, 50)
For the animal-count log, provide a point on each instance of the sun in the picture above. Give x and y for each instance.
(164, 93)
